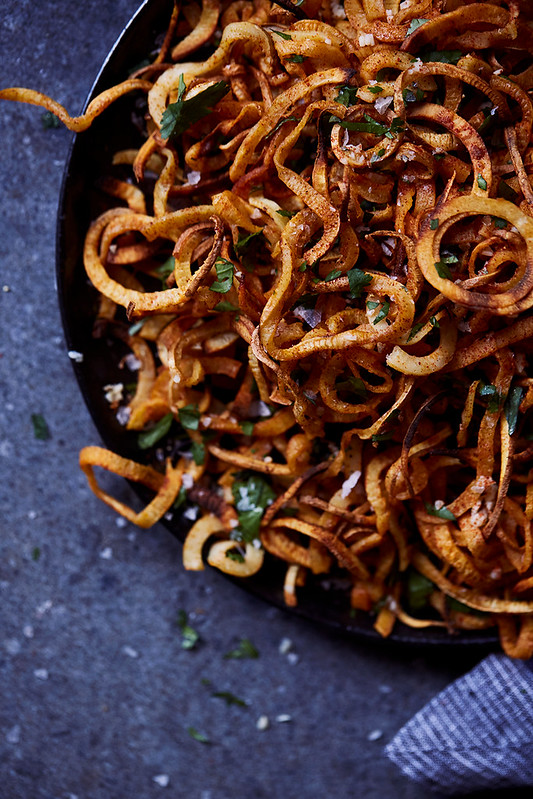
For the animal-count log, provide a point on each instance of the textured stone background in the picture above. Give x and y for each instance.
(96, 692)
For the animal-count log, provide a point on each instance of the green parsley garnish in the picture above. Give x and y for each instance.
(375, 89)
(419, 589)
(443, 270)
(136, 326)
(414, 330)
(357, 280)
(499, 223)
(148, 438)
(166, 268)
(198, 736)
(442, 513)
(49, 120)
(385, 308)
(244, 649)
(433, 224)
(333, 275)
(245, 241)
(247, 427)
(198, 452)
(491, 393)
(287, 214)
(40, 427)
(189, 417)
(180, 499)
(347, 96)
(224, 281)
(296, 59)
(234, 554)
(285, 36)
(189, 637)
(225, 306)
(372, 305)
(377, 438)
(371, 126)
(415, 24)
(433, 321)
(444, 56)
(229, 698)
(512, 406)
(252, 496)
(179, 116)
(481, 182)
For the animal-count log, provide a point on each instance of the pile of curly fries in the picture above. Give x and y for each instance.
(322, 260)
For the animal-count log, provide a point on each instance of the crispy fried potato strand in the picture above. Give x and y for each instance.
(325, 281)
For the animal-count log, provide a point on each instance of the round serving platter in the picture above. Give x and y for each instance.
(321, 600)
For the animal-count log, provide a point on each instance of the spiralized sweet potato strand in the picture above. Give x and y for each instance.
(321, 258)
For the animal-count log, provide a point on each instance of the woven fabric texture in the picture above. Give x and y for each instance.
(476, 734)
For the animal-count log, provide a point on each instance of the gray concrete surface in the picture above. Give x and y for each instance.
(96, 692)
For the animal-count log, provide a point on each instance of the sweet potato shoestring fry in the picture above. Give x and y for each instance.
(322, 263)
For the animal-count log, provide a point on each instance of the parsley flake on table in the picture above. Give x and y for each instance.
(198, 736)
(182, 114)
(244, 649)
(229, 698)
(40, 427)
(189, 636)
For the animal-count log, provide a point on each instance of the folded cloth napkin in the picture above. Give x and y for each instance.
(476, 734)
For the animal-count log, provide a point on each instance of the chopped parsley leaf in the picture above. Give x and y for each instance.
(415, 24)
(385, 308)
(147, 438)
(296, 59)
(247, 427)
(357, 280)
(491, 393)
(512, 406)
(179, 116)
(189, 636)
(225, 306)
(224, 281)
(40, 427)
(414, 330)
(333, 275)
(189, 417)
(49, 120)
(285, 36)
(198, 736)
(433, 224)
(244, 649)
(444, 56)
(347, 96)
(481, 182)
(252, 496)
(229, 698)
(419, 588)
(198, 452)
(442, 513)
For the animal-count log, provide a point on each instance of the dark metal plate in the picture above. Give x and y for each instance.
(80, 203)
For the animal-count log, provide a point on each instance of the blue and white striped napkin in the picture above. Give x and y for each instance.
(476, 734)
